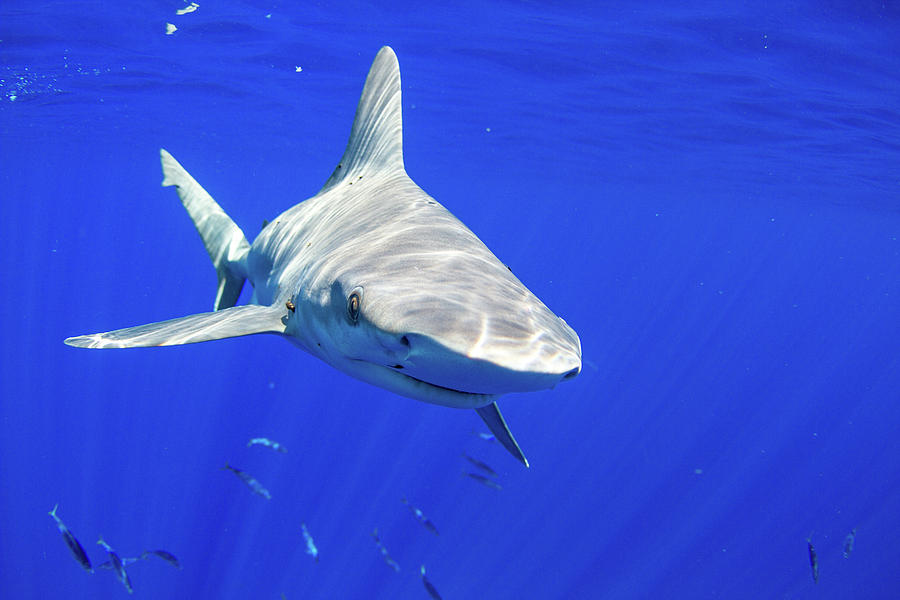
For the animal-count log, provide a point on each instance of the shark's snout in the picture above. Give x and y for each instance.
(491, 366)
(465, 331)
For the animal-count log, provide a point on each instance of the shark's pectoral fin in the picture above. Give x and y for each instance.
(230, 322)
(497, 424)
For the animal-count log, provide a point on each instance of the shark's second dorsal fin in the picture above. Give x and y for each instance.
(376, 140)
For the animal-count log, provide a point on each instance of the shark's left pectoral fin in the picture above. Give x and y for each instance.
(230, 322)
(497, 424)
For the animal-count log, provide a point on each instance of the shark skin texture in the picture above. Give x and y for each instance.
(376, 278)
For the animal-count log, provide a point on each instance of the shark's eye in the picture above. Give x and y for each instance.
(353, 307)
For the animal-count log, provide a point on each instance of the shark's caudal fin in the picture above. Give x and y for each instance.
(224, 241)
(497, 424)
(376, 140)
(231, 322)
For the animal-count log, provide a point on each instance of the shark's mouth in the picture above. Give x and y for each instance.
(392, 378)
(441, 393)
(436, 386)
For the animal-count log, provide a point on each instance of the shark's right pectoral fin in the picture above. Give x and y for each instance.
(491, 416)
(230, 322)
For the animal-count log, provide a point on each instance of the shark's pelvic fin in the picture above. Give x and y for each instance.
(224, 241)
(497, 424)
(231, 322)
(376, 140)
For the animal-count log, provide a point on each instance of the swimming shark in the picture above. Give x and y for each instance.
(376, 278)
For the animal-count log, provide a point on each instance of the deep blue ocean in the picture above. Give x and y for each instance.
(709, 195)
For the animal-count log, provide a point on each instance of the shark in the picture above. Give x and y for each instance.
(376, 278)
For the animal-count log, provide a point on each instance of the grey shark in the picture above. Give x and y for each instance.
(376, 278)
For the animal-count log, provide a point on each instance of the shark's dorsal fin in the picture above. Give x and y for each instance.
(376, 140)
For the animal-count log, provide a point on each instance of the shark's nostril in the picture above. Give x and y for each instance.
(405, 341)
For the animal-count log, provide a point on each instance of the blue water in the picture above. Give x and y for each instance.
(710, 196)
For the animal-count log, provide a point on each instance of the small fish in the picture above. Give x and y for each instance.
(384, 553)
(813, 560)
(421, 517)
(107, 565)
(429, 587)
(163, 554)
(117, 565)
(73, 544)
(268, 443)
(488, 437)
(485, 481)
(480, 465)
(250, 481)
(310, 546)
(848, 542)
(187, 9)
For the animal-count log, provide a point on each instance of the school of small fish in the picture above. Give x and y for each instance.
(849, 540)
(114, 563)
(118, 564)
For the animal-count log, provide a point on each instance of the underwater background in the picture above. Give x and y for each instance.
(708, 193)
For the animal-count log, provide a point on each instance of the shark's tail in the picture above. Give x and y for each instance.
(224, 241)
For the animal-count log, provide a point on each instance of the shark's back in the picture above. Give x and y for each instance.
(378, 225)
(374, 152)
